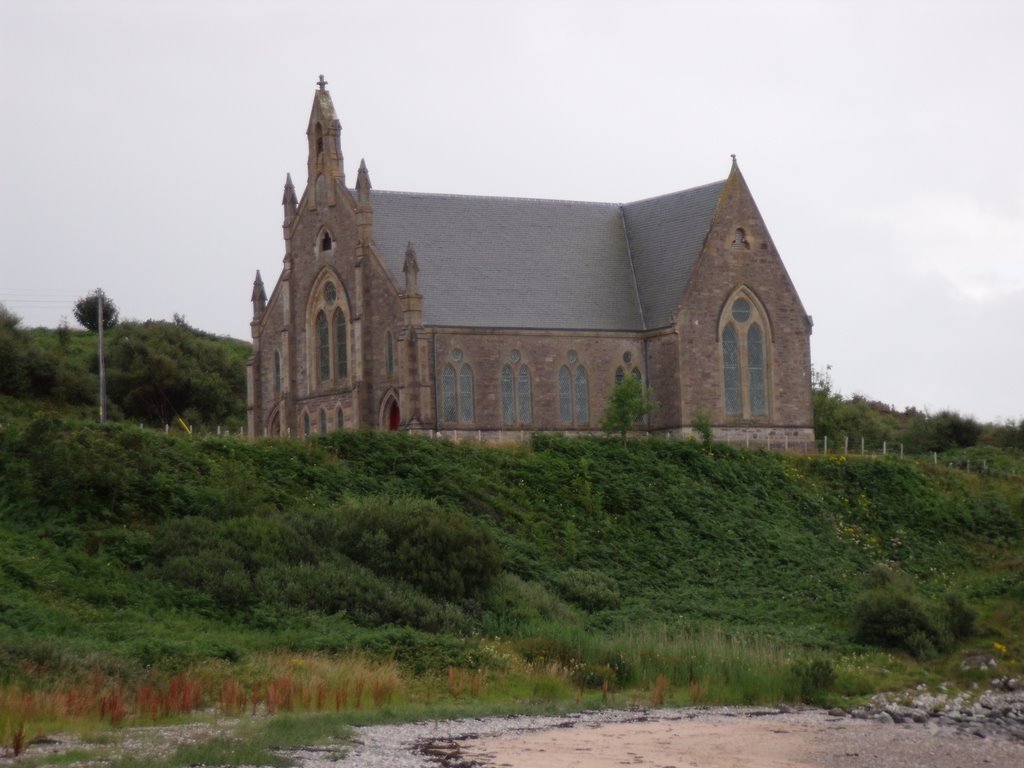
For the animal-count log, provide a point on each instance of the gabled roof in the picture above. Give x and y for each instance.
(546, 264)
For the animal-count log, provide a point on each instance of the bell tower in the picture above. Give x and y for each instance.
(325, 166)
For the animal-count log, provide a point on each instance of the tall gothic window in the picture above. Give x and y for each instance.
(564, 396)
(457, 394)
(323, 346)
(516, 396)
(525, 396)
(323, 421)
(582, 396)
(755, 370)
(744, 360)
(466, 394)
(339, 419)
(340, 344)
(448, 398)
(573, 394)
(328, 335)
(305, 423)
(277, 370)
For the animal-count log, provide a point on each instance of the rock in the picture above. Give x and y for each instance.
(885, 718)
(837, 712)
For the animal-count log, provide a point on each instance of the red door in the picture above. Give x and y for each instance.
(394, 419)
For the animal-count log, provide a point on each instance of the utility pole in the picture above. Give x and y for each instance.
(103, 367)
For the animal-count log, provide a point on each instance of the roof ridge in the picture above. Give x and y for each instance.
(678, 192)
(455, 195)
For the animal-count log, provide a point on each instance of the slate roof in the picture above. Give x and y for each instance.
(546, 264)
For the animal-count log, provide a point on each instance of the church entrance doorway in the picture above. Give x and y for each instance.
(392, 416)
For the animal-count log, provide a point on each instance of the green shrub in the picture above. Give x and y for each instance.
(895, 619)
(590, 590)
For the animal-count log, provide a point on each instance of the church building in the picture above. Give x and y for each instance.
(491, 318)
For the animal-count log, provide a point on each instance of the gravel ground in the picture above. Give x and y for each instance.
(720, 737)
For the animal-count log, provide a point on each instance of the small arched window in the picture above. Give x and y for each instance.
(466, 394)
(508, 396)
(277, 370)
(319, 135)
(582, 396)
(525, 396)
(564, 395)
(326, 243)
(323, 421)
(339, 419)
(620, 375)
(323, 346)
(305, 423)
(449, 408)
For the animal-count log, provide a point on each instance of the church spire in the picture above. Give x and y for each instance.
(259, 297)
(325, 166)
(289, 201)
(363, 183)
(412, 271)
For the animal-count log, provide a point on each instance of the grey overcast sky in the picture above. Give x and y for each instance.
(144, 145)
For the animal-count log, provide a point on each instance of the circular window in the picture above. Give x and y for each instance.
(456, 355)
(627, 357)
(741, 310)
(330, 293)
(514, 356)
(572, 356)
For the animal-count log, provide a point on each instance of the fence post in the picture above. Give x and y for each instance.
(846, 445)
(935, 457)
(885, 448)
(862, 446)
(826, 445)
(901, 450)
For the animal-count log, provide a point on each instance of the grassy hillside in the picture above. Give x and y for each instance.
(124, 548)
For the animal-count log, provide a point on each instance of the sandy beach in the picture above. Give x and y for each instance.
(794, 740)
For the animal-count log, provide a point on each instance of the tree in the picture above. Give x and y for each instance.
(87, 311)
(628, 403)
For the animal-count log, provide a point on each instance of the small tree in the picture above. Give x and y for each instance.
(628, 403)
(87, 311)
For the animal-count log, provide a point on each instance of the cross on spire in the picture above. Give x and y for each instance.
(322, 83)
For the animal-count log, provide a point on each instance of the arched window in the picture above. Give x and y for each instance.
(564, 396)
(448, 399)
(341, 344)
(516, 396)
(573, 394)
(323, 421)
(389, 352)
(305, 422)
(325, 242)
(731, 356)
(323, 346)
(339, 419)
(620, 375)
(755, 370)
(466, 394)
(319, 135)
(745, 358)
(277, 370)
(525, 396)
(582, 396)
(508, 396)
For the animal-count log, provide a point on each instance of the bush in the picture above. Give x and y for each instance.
(590, 590)
(894, 619)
